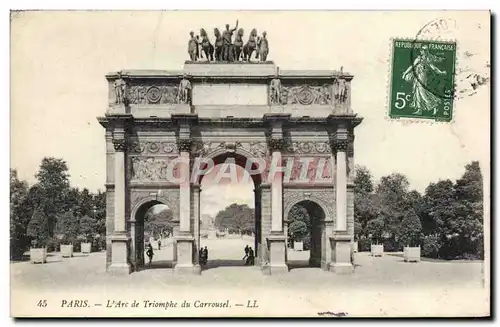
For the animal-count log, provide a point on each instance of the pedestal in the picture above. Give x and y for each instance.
(341, 247)
(184, 264)
(277, 250)
(119, 257)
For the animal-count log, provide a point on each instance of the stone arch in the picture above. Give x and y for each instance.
(317, 232)
(149, 199)
(241, 155)
(141, 206)
(298, 197)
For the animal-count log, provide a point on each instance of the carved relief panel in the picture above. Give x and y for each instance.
(153, 92)
(307, 94)
(153, 169)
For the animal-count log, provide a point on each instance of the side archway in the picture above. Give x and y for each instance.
(315, 239)
(137, 228)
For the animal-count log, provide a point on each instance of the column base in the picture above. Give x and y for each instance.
(187, 269)
(342, 259)
(119, 255)
(119, 269)
(342, 268)
(277, 254)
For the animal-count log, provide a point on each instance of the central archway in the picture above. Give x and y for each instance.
(227, 166)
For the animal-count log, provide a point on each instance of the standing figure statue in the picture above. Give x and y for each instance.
(251, 46)
(193, 47)
(275, 90)
(218, 45)
(341, 90)
(206, 46)
(227, 47)
(238, 44)
(263, 47)
(120, 88)
(184, 94)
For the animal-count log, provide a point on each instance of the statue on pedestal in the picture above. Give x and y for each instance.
(120, 89)
(206, 46)
(218, 45)
(251, 46)
(184, 95)
(193, 47)
(275, 90)
(227, 46)
(263, 47)
(238, 44)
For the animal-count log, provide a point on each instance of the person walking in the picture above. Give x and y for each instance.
(150, 253)
(245, 258)
(251, 257)
(200, 255)
(159, 244)
(205, 255)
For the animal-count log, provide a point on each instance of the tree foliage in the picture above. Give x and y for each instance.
(237, 218)
(447, 220)
(38, 228)
(158, 224)
(67, 227)
(19, 216)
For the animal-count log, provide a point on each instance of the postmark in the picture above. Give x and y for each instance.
(422, 79)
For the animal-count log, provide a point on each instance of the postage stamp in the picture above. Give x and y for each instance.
(422, 79)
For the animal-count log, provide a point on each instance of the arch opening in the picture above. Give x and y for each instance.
(230, 217)
(306, 235)
(152, 224)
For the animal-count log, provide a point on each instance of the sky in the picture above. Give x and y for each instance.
(58, 88)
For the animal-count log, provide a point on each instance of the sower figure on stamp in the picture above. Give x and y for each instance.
(184, 91)
(193, 47)
(227, 48)
(120, 86)
(419, 74)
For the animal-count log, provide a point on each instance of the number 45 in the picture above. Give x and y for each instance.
(401, 100)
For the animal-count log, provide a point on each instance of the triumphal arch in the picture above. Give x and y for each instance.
(249, 112)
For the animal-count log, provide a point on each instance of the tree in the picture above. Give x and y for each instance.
(375, 229)
(158, 223)
(236, 218)
(87, 227)
(19, 216)
(38, 229)
(411, 229)
(298, 230)
(68, 227)
(53, 180)
(363, 182)
(393, 205)
(364, 204)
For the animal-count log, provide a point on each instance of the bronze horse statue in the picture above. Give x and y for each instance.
(206, 46)
(218, 45)
(238, 45)
(251, 46)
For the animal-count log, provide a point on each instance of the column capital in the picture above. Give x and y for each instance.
(341, 145)
(277, 144)
(185, 145)
(120, 145)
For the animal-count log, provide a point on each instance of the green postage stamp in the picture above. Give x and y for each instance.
(422, 79)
